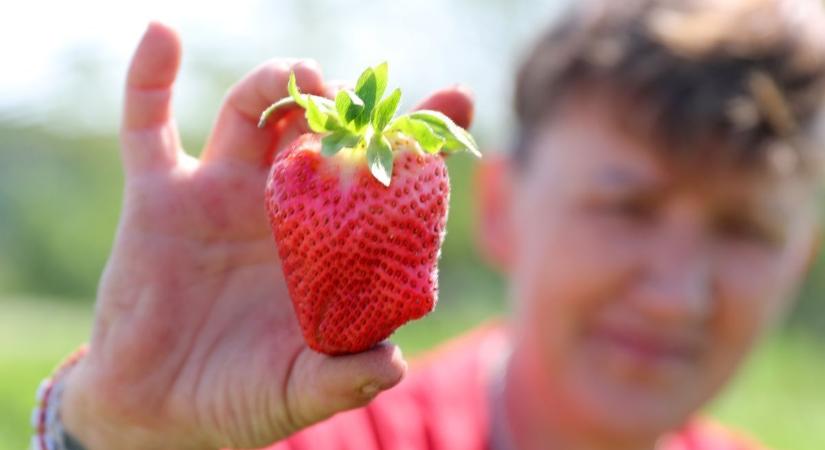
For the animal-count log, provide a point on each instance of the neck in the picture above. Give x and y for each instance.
(538, 419)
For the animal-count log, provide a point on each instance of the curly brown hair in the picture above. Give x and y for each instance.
(749, 74)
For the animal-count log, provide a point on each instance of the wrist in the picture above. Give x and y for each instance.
(49, 433)
(90, 422)
(85, 419)
(76, 412)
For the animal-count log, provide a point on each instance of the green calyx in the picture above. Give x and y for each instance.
(364, 119)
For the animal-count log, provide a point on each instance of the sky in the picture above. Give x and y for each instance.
(64, 62)
(35, 34)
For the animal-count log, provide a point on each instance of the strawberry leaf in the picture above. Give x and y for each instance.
(367, 90)
(294, 98)
(456, 138)
(323, 118)
(380, 159)
(385, 110)
(348, 105)
(370, 88)
(284, 103)
(333, 143)
(321, 112)
(362, 117)
(382, 77)
(315, 118)
(419, 131)
(292, 88)
(326, 105)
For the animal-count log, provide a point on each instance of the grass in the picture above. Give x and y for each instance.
(778, 398)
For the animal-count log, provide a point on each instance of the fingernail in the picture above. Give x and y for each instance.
(369, 390)
(309, 63)
(154, 23)
(464, 89)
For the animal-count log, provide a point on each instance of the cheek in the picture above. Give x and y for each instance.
(565, 270)
(753, 289)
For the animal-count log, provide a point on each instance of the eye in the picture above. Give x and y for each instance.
(632, 208)
(741, 228)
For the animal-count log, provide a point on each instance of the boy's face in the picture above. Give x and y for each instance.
(640, 287)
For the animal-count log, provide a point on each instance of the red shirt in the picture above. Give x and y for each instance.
(443, 405)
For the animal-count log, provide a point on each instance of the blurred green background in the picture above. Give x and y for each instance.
(60, 181)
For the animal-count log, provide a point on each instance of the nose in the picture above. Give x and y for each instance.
(675, 284)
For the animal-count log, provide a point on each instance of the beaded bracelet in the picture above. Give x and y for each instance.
(48, 428)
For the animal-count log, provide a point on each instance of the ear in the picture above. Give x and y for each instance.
(493, 186)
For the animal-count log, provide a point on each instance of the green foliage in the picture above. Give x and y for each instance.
(36, 335)
(777, 399)
(363, 119)
(379, 159)
(349, 105)
(456, 138)
(370, 88)
(429, 141)
(338, 140)
(385, 111)
(59, 204)
(292, 88)
(810, 312)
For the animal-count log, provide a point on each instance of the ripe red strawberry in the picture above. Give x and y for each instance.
(359, 214)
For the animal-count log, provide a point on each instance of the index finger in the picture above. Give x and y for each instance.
(236, 135)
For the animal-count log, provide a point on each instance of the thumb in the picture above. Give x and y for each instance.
(324, 385)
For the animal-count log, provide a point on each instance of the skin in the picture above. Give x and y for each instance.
(195, 342)
(638, 285)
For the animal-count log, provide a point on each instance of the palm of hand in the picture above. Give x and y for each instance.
(193, 260)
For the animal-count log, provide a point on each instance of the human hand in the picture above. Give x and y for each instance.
(195, 343)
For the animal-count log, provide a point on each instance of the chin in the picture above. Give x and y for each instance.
(621, 389)
(617, 406)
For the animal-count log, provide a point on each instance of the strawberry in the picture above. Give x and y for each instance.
(358, 210)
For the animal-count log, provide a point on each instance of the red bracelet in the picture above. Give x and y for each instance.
(48, 429)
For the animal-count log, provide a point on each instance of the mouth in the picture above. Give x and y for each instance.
(645, 348)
